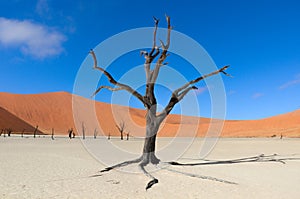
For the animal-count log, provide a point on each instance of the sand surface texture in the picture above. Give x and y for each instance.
(62, 168)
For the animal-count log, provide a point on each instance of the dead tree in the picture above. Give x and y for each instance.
(127, 136)
(9, 131)
(153, 118)
(1, 132)
(83, 130)
(70, 132)
(95, 133)
(52, 133)
(121, 128)
(35, 130)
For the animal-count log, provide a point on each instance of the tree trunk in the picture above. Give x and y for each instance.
(152, 126)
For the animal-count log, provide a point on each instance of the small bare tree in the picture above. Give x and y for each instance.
(22, 134)
(70, 132)
(9, 131)
(52, 133)
(121, 129)
(83, 130)
(95, 133)
(35, 131)
(153, 118)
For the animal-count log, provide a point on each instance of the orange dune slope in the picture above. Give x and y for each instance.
(10, 121)
(62, 111)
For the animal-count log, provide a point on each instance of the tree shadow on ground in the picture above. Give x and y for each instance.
(204, 162)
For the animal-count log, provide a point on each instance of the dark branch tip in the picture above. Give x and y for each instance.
(156, 21)
(143, 52)
(151, 183)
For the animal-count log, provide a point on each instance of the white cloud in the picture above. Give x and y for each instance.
(257, 95)
(291, 83)
(33, 39)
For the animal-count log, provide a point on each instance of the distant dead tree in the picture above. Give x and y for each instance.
(9, 131)
(83, 130)
(121, 128)
(95, 133)
(35, 131)
(127, 136)
(153, 118)
(108, 136)
(52, 133)
(70, 132)
(22, 134)
(1, 132)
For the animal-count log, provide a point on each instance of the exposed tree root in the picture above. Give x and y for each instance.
(153, 181)
(142, 163)
(122, 164)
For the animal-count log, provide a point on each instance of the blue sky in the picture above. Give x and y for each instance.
(43, 44)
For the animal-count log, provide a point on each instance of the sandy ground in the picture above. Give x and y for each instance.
(62, 168)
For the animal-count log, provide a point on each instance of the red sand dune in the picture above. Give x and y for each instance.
(54, 110)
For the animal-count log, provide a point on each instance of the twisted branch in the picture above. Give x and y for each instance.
(114, 82)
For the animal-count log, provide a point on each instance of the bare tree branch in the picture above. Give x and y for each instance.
(185, 91)
(179, 93)
(149, 57)
(114, 82)
(164, 54)
(106, 87)
(156, 21)
(221, 70)
(151, 75)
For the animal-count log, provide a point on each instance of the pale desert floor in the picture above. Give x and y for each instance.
(62, 168)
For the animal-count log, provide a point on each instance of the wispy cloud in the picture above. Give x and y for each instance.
(33, 39)
(42, 8)
(257, 95)
(293, 82)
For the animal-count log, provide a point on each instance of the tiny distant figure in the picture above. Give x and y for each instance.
(127, 136)
(108, 136)
(71, 135)
(281, 136)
